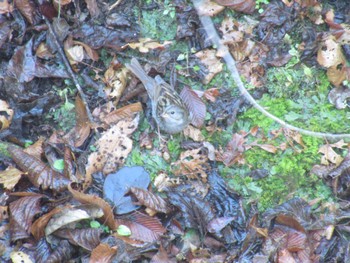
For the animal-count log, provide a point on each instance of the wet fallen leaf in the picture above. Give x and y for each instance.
(103, 253)
(6, 116)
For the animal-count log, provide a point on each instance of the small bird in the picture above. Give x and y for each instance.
(168, 110)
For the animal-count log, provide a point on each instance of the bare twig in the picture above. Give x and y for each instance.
(231, 63)
(68, 68)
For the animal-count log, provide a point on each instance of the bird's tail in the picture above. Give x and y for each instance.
(139, 72)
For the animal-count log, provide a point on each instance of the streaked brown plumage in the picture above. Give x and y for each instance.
(168, 109)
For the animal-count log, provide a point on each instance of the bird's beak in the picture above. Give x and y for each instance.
(165, 115)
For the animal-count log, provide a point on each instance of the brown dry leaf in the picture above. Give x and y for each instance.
(103, 253)
(27, 9)
(108, 217)
(195, 106)
(211, 94)
(4, 213)
(145, 140)
(75, 54)
(36, 149)
(146, 44)
(234, 150)
(293, 136)
(89, 51)
(194, 133)
(329, 155)
(6, 117)
(230, 31)
(340, 144)
(209, 8)
(116, 81)
(64, 218)
(337, 74)
(212, 63)
(82, 126)
(62, 2)
(150, 200)
(5, 7)
(192, 163)
(122, 113)
(10, 177)
(266, 147)
(43, 52)
(330, 55)
(38, 227)
(113, 147)
(93, 8)
(245, 6)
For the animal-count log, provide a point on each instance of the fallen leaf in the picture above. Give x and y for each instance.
(6, 116)
(145, 44)
(211, 62)
(195, 105)
(193, 133)
(10, 177)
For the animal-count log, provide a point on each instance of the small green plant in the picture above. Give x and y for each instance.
(259, 4)
(64, 116)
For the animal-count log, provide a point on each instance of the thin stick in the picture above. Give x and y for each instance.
(231, 63)
(69, 68)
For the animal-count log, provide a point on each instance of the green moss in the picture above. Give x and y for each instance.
(159, 24)
(153, 163)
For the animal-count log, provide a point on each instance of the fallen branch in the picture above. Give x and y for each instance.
(231, 63)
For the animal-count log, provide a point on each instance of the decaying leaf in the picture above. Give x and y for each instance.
(40, 174)
(146, 44)
(143, 228)
(195, 105)
(22, 212)
(116, 81)
(209, 8)
(329, 155)
(20, 257)
(122, 113)
(192, 163)
(113, 147)
(211, 62)
(38, 227)
(6, 7)
(86, 238)
(36, 149)
(10, 177)
(150, 200)
(245, 6)
(266, 147)
(193, 133)
(83, 198)
(331, 56)
(234, 150)
(103, 253)
(65, 217)
(6, 116)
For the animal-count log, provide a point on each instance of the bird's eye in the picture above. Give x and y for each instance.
(172, 112)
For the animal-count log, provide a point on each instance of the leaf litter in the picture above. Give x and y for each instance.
(188, 213)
